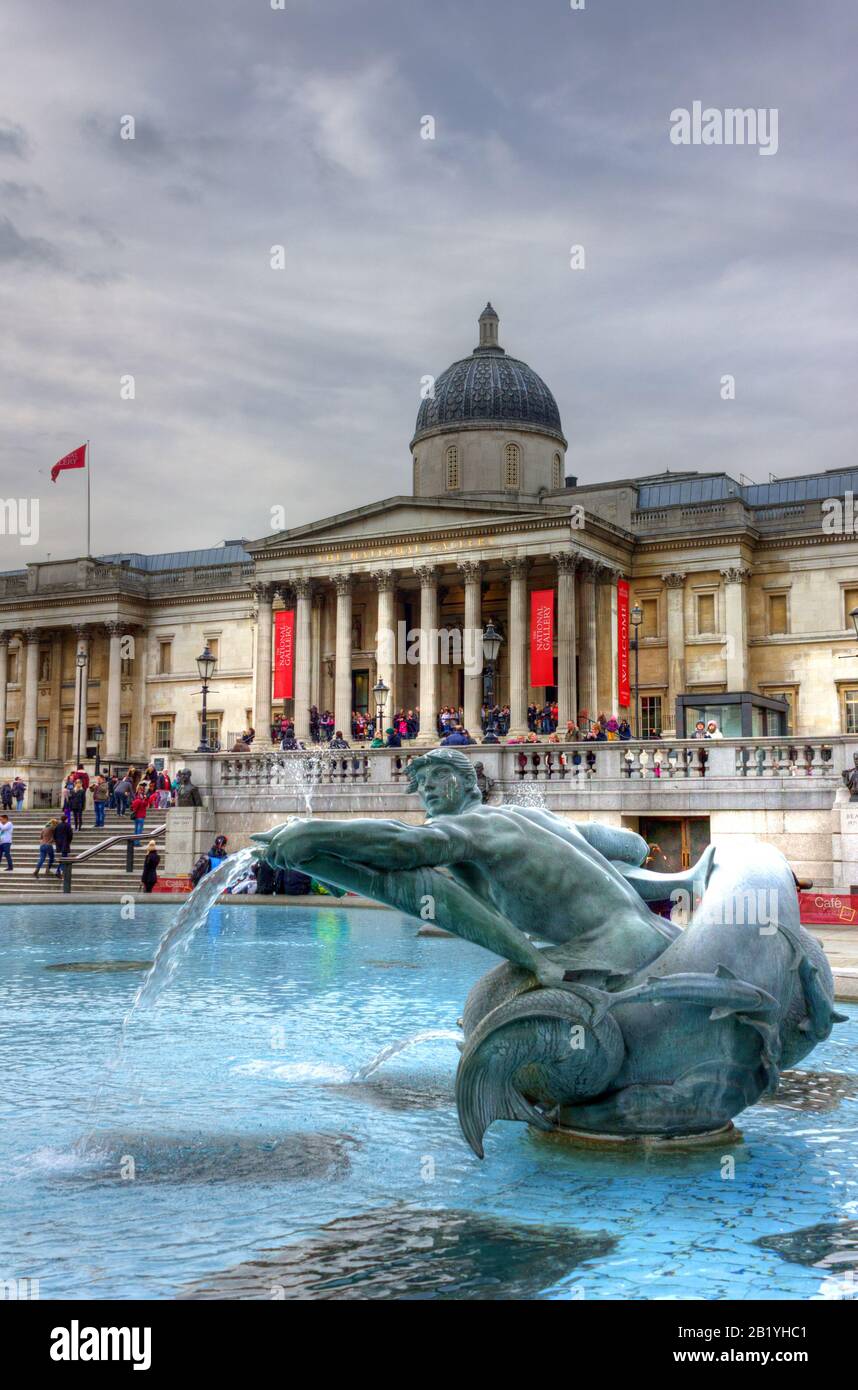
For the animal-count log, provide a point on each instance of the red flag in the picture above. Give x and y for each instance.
(542, 637)
(624, 693)
(284, 648)
(76, 459)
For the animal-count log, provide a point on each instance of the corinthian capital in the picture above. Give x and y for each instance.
(302, 586)
(428, 575)
(343, 584)
(517, 566)
(674, 579)
(470, 570)
(567, 561)
(735, 574)
(384, 581)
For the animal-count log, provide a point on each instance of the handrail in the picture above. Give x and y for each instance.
(67, 862)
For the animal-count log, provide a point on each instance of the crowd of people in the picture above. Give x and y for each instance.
(542, 726)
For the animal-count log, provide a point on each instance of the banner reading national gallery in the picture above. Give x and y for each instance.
(542, 637)
(624, 692)
(284, 649)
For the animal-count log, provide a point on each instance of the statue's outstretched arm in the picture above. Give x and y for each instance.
(380, 844)
(433, 896)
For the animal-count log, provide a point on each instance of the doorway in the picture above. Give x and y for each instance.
(675, 843)
(360, 692)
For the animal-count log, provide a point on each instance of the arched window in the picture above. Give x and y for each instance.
(557, 472)
(453, 468)
(511, 466)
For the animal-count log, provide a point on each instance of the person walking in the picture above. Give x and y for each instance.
(6, 831)
(6, 796)
(139, 807)
(18, 789)
(46, 847)
(149, 876)
(77, 804)
(100, 794)
(63, 836)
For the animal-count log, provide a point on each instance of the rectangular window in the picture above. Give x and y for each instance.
(165, 663)
(778, 617)
(123, 741)
(850, 603)
(213, 644)
(650, 715)
(705, 614)
(212, 730)
(68, 737)
(9, 746)
(12, 667)
(163, 733)
(126, 666)
(42, 743)
(850, 711)
(649, 626)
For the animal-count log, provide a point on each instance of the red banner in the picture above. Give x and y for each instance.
(840, 909)
(76, 459)
(176, 883)
(284, 653)
(542, 637)
(624, 685)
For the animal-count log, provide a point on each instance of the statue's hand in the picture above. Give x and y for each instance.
(286, 845)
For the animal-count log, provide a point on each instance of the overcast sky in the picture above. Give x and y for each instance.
(302, 127)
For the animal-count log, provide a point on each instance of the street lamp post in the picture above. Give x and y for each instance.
(206, 663)
(637, 619)
(97, 736)
(491, 647)
(81, 661)
(381, 692)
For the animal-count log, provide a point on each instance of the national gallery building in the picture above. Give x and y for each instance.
(743, 595)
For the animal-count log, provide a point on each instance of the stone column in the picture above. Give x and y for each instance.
(674, 583)
(114, 691)
(81, 693)
(55, 722)
(31, 692)
(428, 576)
(471, 571)
(264, 626)
(385, 639)
(588, 693)
(736, 624)
(140, 731)
(4, 680)
(518, 686)
(303, 660)
(567, 697)
(343, 667)
(316, 649)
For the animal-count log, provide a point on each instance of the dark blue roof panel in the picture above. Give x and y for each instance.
(179, 559)
(714, 487)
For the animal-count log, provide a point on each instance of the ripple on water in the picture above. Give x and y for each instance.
(100, 967)
(399, 1252)
(814, 1091)
(828, 1245)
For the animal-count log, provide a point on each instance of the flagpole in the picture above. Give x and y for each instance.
(88, 499)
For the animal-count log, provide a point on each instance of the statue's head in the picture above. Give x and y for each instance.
(445, 781)
(184, 776)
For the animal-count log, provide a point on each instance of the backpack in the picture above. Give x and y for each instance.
(200, 869)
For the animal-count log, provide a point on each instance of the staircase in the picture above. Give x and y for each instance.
(103, 873)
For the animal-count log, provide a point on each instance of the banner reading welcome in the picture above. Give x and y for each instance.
(624, 691)
(542, 637)
(284, 648)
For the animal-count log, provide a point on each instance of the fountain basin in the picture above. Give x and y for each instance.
(234, 1133)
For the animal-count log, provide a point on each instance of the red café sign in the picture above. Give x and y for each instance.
(832, 909)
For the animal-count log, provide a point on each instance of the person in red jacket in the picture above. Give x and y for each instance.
(139, 807)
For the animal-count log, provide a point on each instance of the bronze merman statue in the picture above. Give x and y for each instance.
(620, 1023)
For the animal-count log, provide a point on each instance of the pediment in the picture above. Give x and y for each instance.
(394, 516)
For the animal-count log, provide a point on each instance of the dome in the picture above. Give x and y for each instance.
(489, 389)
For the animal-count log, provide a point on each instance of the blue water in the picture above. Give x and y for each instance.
(232, 1105)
